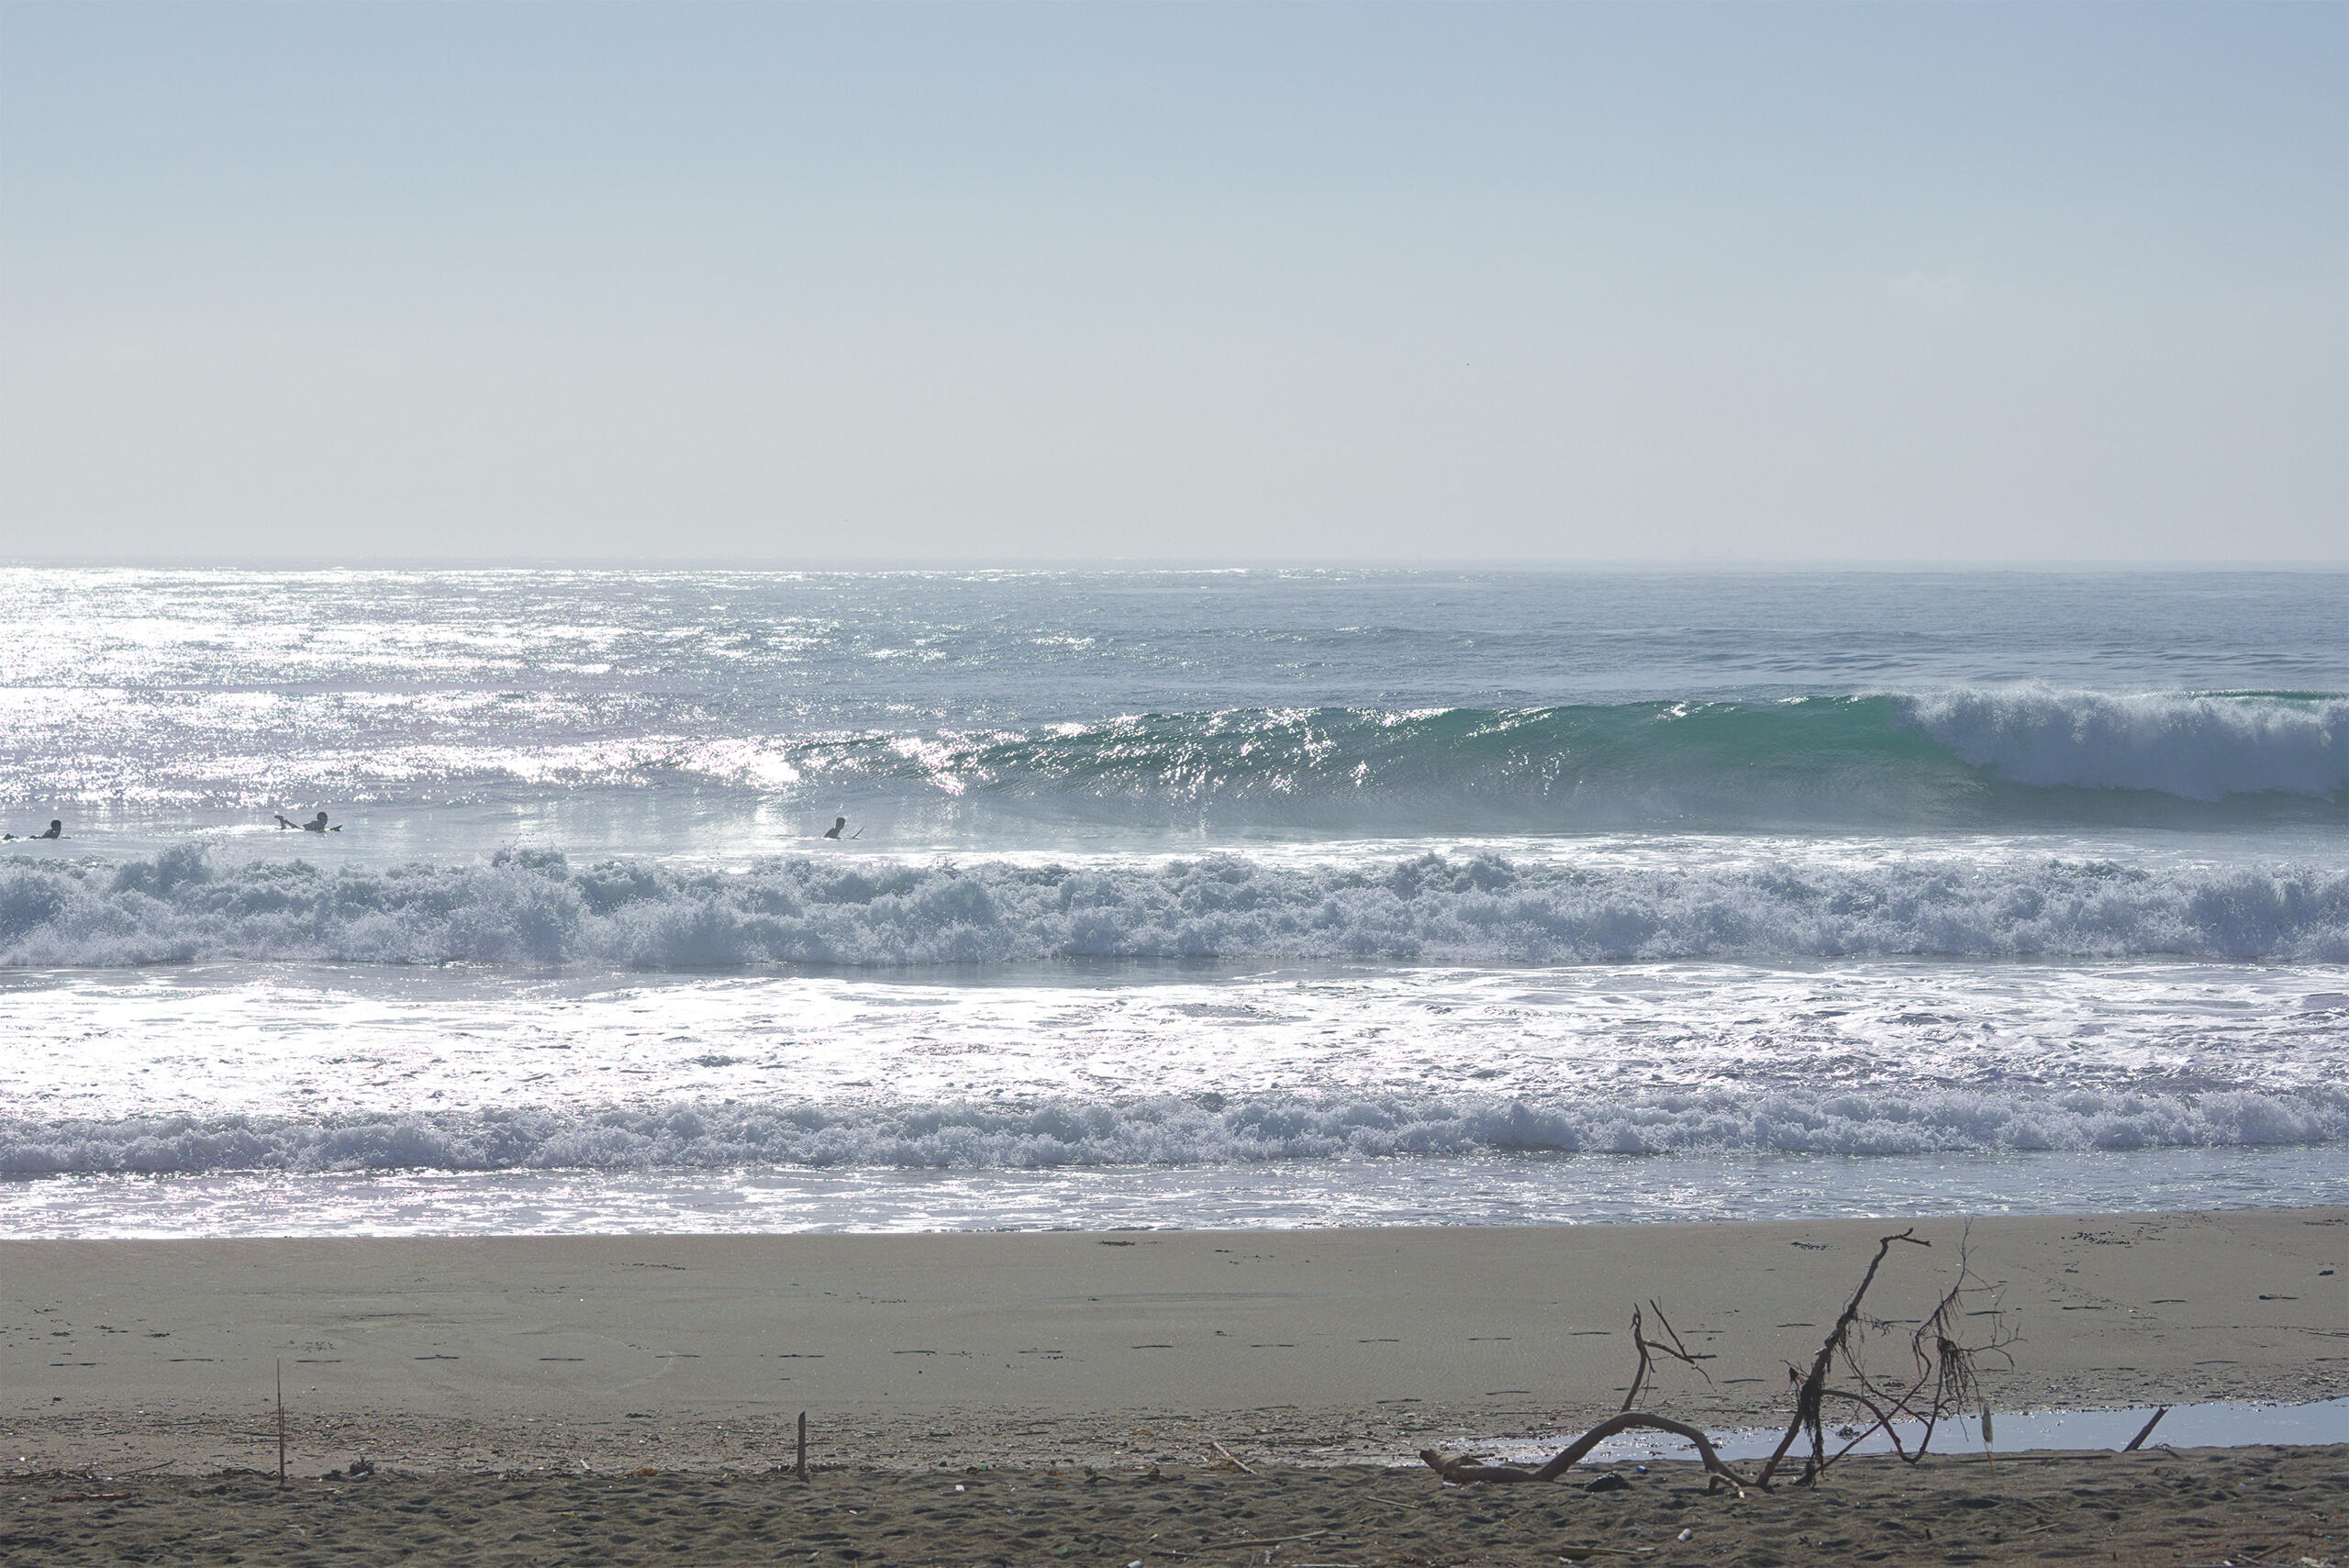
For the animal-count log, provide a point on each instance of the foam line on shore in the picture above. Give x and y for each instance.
(1169, 1131)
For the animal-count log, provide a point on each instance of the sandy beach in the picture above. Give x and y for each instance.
(1091, 1397)
(615, 1354)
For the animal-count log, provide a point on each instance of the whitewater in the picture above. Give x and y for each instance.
(1171, 897)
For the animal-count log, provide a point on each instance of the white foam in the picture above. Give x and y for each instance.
(536, 908)
(2195, 747)
(1167, 1131)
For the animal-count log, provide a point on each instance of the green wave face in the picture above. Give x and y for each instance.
(1964, 758)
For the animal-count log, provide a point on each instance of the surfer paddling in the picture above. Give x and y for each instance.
(838, 825)
(315, 825)
(56, 831)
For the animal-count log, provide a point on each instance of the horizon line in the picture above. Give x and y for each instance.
(852, 563)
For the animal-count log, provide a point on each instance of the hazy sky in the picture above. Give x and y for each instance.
(1666, 281)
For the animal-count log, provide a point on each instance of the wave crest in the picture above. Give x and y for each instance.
(1972, 755)
(2193, 747)
(1978, 757)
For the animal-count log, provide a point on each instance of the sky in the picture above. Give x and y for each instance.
(1679, 282)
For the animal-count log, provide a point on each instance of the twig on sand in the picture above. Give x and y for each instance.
(1675, 1350)
(2147, 1430)
(1258, 1541)
(1235, 1460)
(281, 1421)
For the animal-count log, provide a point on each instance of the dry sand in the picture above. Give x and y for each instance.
(507, 1387)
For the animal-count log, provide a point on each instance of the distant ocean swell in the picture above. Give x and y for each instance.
(536, 908)
(1202, 1131)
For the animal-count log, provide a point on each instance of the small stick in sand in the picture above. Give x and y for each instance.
(1231, 1456)
(1253, 1540)
(801, 1468)
(281, 1421)
(2147, 1430)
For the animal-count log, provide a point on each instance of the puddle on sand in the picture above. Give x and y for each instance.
(2223, 1424)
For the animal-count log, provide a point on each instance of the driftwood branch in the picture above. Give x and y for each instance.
(1883, 1420)
(1946, 1385)
(1814, 1387)
(1940, 1383)
(1463, 1470)
(1675, 1349)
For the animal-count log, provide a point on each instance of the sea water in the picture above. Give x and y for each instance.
(1167, 897)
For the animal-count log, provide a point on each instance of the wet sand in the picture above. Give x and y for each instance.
(2236, 1506)
(1315, 1347)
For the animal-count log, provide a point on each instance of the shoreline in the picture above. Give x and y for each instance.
(696, 1352)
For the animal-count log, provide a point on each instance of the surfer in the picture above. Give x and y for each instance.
(315, 825)
(56, 831)
(834, 830)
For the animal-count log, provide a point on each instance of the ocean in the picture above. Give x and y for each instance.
(1167, 897)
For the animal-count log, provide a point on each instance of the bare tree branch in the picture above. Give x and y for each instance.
(1675, 1350)
(1814, 1387)
(1622, 1421)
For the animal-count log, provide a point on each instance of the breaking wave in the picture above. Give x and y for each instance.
(1976, 757)
(1203, 1131)
(2193, 747)
(537, 908)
